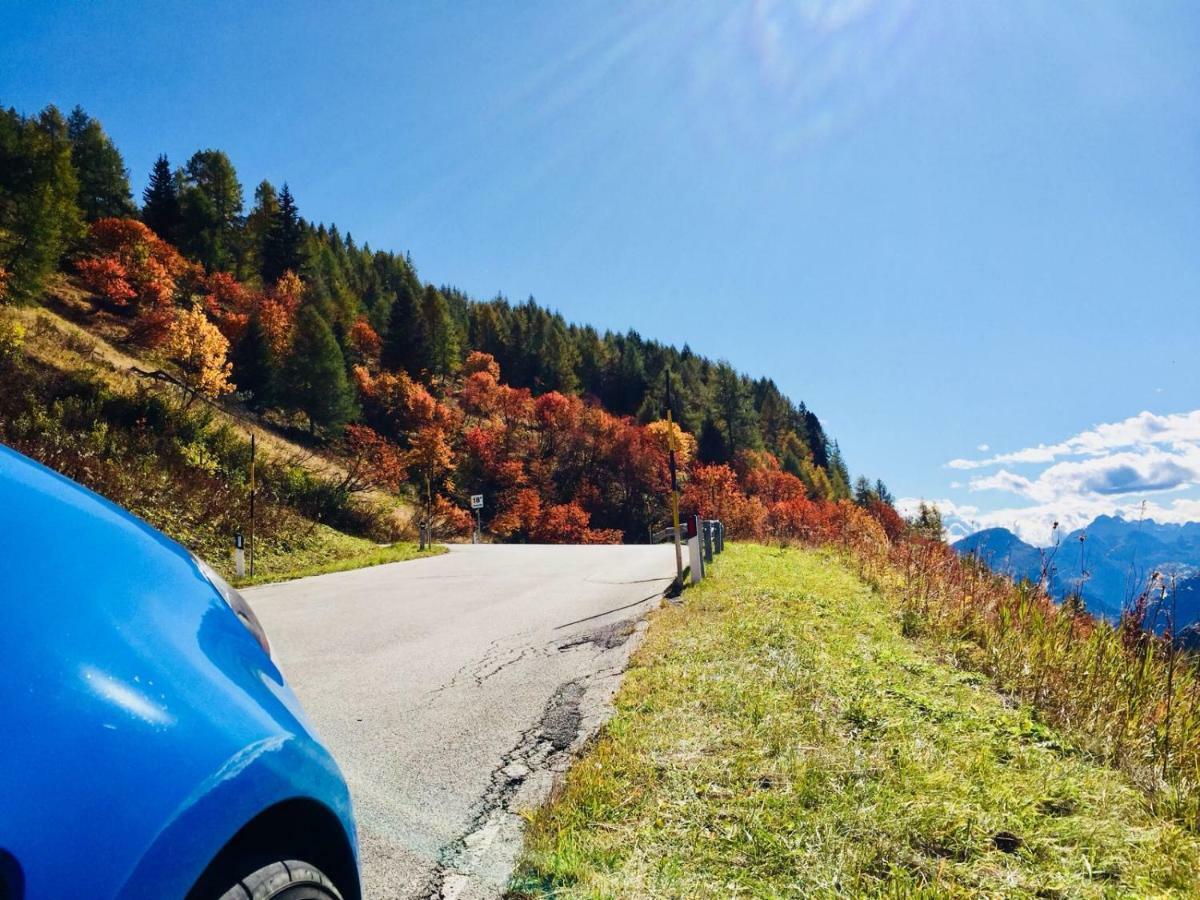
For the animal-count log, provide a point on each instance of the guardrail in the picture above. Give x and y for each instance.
(705, 539)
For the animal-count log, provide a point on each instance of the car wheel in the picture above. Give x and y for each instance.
(291, 879)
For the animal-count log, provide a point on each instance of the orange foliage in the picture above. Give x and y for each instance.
(478, 361)
(364, 339)
(132, 270)
(228, 303)
(375, 458)
(277, 312)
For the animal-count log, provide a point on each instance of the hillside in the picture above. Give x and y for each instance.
(392, 385)
(75, 405)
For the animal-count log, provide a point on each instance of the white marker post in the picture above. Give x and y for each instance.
(239, 556)
(695, 556)
(477, 505)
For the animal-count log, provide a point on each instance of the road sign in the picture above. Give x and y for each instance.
(477, 501)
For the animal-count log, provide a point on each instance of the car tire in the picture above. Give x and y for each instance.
(291, 879)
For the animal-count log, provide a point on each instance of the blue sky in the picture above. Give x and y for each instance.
(942, 225)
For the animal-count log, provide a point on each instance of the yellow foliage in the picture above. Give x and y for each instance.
(667, 433)
(200, 351)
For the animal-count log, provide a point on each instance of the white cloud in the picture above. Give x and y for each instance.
(1177, 431)
(1125, 473)
(983, 448)
(1119, 468)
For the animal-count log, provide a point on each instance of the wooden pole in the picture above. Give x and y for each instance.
(674, 485)
(252, 449)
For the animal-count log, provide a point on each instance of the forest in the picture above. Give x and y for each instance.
(430, 393)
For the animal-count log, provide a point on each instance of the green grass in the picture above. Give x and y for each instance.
(777, 736)
(331, 552)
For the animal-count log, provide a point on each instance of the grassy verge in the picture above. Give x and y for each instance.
(336, 552)
(777, 736)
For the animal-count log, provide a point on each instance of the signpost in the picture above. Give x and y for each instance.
(477, 505)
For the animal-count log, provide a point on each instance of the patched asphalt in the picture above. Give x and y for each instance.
(453, 690)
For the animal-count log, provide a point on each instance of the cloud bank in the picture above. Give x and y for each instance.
(1129, 468)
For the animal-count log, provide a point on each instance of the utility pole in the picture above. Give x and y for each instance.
(674, 484)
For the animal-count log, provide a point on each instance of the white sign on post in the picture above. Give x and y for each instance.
(477, 501)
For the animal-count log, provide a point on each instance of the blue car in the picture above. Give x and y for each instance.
(149, 747)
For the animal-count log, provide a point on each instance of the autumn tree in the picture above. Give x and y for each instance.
(373, 461)
(199, 351)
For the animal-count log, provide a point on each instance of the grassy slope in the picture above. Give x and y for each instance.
(68, 347)
(778, 737)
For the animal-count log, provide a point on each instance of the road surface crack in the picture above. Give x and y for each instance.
(543, 747)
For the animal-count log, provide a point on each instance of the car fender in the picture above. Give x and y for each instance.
(270, 771)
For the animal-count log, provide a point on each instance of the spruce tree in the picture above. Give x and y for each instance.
(160, 201)
(404, 345)
(313, 380)
(103, 178)
(283, 245)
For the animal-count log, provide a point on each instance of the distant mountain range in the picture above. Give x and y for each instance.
(1110, 566)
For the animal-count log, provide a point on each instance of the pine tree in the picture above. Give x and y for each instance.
(160, 201)
(404, 345)
(103, 178)
(283, 245)
(314, 380)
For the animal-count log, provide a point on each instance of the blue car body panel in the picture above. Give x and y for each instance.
(141, 724)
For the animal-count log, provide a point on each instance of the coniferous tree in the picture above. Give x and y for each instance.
(404, 346)
(212, 207)
(441, 333)
(255, 229)
(283, 244)
(734, 409)
(160, 201)
(254, 365)
(39, 215)
(314, 376)
(103, 178)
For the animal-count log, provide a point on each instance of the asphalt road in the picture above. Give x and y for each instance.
(452, 689)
